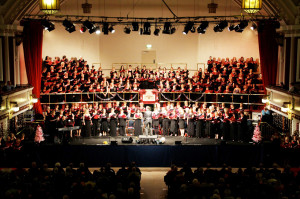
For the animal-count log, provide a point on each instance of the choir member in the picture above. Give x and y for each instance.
(95, 121)
(181, 122)
(122, 122)
(173, 122)
(155, 119)
(113, 122)
(104, 123)
(166, 122)
(87, 122)
(138, 123)
(190, 123)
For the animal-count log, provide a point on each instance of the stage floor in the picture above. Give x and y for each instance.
(169, 140)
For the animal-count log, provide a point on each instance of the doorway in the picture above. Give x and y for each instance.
(148, 56)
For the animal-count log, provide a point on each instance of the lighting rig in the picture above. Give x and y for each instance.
(144, 26)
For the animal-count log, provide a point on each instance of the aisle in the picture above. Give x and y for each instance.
(152, 183)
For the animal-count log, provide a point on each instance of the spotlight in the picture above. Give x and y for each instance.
(48, 25)
(111, 29)
(90, 26)
(147, 28)
(188, 27)
(173, 30)
(156, 31)
(69, 26)
(105, 28)
(202, 27)
(193, 30)
(253, 27)
(231, 27)
(127, 30)
(221, 26)
(167, 28)
(141, 31)
(82, 29)
(135, 26)
(97, 30)
(241, 26)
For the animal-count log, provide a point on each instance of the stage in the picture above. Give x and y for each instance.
(193, 151)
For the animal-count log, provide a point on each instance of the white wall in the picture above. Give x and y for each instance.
(59, 42)
(177, 48)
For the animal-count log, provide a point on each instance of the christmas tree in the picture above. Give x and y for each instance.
(39, 135)
(257, 135)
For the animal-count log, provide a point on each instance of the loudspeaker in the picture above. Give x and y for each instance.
(127, 140)
(177, 142)
(114, 143)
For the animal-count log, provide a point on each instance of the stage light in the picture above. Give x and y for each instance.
(147, 28)
(97, 30)
(221, 26)
(156, 31)
(105, 28)
(82, 29)
(141, 31)
(135, 26)
(193, 30)
(253, 27)
(48, 25)
(241, 26)
(173, 30)
(231, 27)
(111, 29)
(90, 26)
(202, 27)
(188, 27)
(167, 28)
(69, 26)
(127, 30)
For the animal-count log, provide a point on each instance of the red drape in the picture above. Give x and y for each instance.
(268, 50)
(33, 42)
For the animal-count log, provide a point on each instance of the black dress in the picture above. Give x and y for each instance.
(104, 123)
(173, 125)
(122, 125)
(190, 126)
(113, 126)
(166, 126)
(87, 126)
(138, 125)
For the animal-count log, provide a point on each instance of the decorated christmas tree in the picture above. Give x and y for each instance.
(39, 135)
(257, 135)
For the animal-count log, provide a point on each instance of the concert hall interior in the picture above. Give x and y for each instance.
(113, 85)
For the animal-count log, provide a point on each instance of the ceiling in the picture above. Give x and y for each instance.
(12, 11)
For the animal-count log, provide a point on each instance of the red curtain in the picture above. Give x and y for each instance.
(33, 42)
(268, 50)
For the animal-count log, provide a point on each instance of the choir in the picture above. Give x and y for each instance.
(168, 119)
(220, 76)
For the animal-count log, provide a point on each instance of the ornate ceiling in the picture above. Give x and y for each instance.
(12, 11)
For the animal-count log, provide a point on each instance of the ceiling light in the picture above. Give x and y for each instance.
(241, 26)
(188, 27)
(97, 30)
(127, 30)
(105, 28)
(111, 29)
(147, 28)
(156, 31)
(135, 26)
(202, 27)
(82, 29)
(251, 6)
(69, 26)
(253, 27)
(48, 25)
(221, 26)
(193, 30)
(90, 26)
(173, 30)
(49, 6)
(231, 27)
(167, 28)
